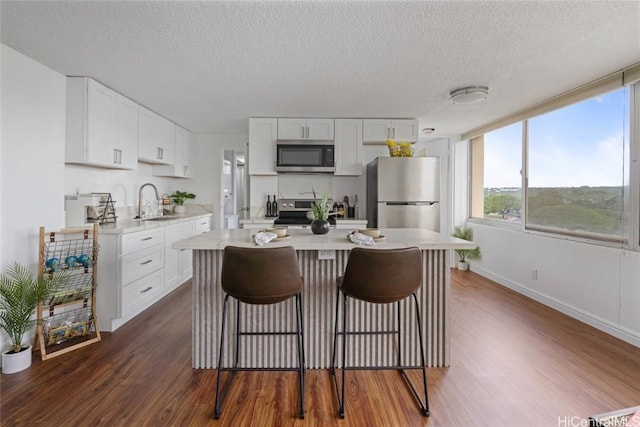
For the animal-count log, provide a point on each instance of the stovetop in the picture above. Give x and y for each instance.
(294, 212)
(292, 220)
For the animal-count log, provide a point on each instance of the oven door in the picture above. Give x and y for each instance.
(305, 157)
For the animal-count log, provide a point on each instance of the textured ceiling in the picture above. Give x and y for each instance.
(210, 65)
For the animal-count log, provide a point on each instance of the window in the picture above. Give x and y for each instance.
(578, 167)
(577, 161)
(499, 192)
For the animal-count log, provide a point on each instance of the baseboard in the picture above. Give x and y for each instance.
(603, 325)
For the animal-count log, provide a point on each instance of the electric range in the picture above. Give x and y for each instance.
(293, 212)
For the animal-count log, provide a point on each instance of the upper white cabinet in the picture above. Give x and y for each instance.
(379, 130)
(263, 135)
(101, 126)
(181, 167)
(155, 138)
(348, 147)
(297, 129)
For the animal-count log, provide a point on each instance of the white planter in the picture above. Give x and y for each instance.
(179, 209)
(16, 362)
(463, 265)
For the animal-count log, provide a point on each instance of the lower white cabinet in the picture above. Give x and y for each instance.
(202, 225)
(142, 293)
(177, 268)
(136, 269)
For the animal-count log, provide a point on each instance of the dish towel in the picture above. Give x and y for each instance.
(361, 239)
(262, 237)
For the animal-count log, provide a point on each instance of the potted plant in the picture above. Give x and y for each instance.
(466, 233)
(20, 295)
(320, 210)
(179, 197)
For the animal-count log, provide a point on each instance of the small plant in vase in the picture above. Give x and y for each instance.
(320, 210)
(466, 233)
(20, 294)
(179, 197)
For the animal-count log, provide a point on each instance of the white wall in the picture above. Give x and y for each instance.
(124, 184)
(32, 139)
(32, 144)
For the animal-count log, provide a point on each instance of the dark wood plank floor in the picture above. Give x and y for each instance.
(514, 363)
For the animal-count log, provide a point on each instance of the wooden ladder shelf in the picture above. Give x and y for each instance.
(67, 319)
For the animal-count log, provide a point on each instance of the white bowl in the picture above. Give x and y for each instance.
(373, 232)
(280, 231)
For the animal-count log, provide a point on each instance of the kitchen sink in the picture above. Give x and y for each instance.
(160, 218)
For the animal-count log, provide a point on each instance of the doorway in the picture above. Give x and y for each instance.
(234, 194)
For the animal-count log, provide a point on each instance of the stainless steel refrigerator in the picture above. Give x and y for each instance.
(404, 192)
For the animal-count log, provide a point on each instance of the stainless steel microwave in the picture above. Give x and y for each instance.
(305, 156)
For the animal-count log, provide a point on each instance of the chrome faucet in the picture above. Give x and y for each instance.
(140, 197)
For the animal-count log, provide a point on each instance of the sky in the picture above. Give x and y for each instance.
(584, 144)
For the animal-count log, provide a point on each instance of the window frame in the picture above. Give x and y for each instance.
(631, 241)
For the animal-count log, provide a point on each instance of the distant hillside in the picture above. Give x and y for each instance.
(590, 209)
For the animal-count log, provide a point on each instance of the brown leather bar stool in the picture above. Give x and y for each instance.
(380, 276)
(260, 276)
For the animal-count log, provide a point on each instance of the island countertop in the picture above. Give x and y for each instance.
(336, 239)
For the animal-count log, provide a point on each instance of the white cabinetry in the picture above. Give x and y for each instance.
(177, 267)
(348, 147)
(181, 167)
(263, 134)
(155, 138)
(317, 129)
(202, 225)
(137, 269)
(379, 130)
(131, 275)
(101, 126)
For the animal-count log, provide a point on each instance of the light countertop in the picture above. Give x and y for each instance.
(123, 226)
(335, 239)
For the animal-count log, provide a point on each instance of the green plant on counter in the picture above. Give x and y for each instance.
(466, 233)
(320, 208)
(179, 197)
(20, 295)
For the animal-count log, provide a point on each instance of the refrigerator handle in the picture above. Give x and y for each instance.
(410, 203)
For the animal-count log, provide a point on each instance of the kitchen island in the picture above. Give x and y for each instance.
(322, 258)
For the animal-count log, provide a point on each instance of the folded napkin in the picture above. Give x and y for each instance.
(263, 237)
(361, 239)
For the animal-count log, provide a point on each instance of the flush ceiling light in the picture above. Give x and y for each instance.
(469, 95)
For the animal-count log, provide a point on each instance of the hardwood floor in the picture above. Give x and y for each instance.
(514, 363)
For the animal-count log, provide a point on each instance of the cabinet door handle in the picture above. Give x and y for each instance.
(146, 262)
(159, 153)
(146, 290)
(394, 133)
(146, 238)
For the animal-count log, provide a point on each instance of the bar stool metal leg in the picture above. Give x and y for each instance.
(424, 405)
(301, 358)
